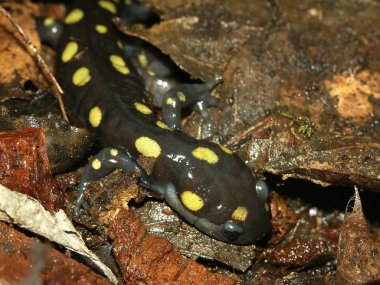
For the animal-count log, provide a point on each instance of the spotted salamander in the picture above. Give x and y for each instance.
(209, 186)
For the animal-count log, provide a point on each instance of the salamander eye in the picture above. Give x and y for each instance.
(262, 190)
(232, 229)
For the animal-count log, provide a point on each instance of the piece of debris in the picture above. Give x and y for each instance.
(24, 166)
(148, 258)
(358, 256)
(28, 213)
(25, 260)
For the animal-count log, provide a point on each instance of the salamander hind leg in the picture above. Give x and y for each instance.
(197, 96)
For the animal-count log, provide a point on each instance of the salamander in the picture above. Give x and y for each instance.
(205, 183)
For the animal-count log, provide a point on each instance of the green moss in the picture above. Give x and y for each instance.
(305, 126)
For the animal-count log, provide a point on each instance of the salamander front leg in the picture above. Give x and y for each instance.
(103, 163)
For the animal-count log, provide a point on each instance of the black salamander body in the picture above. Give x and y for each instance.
(205, 183)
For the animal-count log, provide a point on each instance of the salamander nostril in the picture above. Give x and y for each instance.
(233, 229)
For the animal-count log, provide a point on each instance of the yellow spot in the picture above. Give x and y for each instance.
(95, 116)
(225, 149)
(206, 154)
(81, 77)
(119, 64)
(143, 108)
(96, 164)
(109, 6)
(181, 96)
(70, 50)
(117, 60)
(101, 29)
(192, 201)
(143, 60)
(169, 101)
(74, 16)
(48, 21)
(162, 125)
(148, 147)
(128, 2)
(266, 207)
(116, 1)
(151, 73)
(240, 214)
(119, 44)
(114, 152)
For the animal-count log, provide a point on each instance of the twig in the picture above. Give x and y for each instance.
(57, 90)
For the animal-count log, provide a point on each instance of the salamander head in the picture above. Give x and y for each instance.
(247, 223)
(217, 193)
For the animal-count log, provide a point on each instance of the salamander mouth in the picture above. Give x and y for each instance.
(233, 229)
